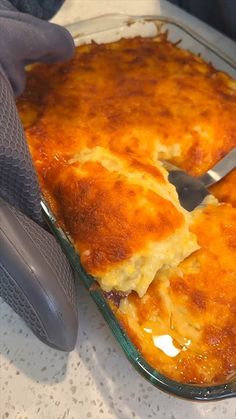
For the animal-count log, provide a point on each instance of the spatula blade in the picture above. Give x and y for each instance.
(190, 190)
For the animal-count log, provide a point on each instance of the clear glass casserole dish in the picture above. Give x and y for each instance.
(107, 29)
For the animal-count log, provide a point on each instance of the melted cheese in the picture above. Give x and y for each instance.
(97, 128)
(194, 305)
(225, 190)
(123, 217)
(137, 95)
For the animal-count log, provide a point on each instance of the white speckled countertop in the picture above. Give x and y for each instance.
(95, 380)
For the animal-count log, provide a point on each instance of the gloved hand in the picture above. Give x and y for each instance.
(35, 277)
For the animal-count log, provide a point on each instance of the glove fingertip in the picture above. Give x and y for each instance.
(18, 82)
(62, 46)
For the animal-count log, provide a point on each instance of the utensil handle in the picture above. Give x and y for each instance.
(221, 169)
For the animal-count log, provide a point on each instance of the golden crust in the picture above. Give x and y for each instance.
(195, 305)
(119, 213)
(120, 216)
(145, 100)
(225, 190)
(136, 95)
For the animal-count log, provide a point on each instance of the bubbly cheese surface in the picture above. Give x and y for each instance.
(123, 216)
(97, 128)
(141, 95)
(193, 305)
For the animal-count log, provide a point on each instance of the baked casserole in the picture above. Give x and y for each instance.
(99, 128)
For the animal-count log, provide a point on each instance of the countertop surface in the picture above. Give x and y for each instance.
(95, 380)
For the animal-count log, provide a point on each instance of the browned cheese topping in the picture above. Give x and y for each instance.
(98, 128)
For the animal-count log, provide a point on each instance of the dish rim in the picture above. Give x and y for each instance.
(119, 18)
(162, 382)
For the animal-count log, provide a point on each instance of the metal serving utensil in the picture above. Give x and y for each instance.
(192, 190)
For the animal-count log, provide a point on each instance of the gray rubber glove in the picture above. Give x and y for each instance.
(35, 276)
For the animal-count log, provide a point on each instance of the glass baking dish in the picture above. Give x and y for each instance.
(109, 28)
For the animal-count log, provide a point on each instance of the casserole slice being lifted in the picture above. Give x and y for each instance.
(122, 215)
